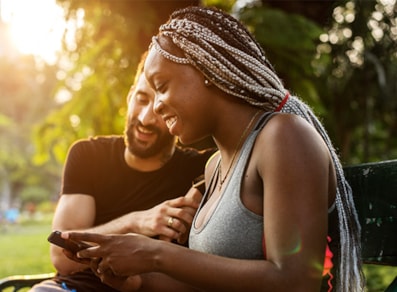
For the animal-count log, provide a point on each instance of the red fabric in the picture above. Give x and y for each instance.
(280, 106)
(328, 264)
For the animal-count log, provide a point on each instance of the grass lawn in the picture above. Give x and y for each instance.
(25, 250)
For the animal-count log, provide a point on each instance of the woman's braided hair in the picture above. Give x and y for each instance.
(226, 53)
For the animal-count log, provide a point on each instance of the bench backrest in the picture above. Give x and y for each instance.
(374, 188)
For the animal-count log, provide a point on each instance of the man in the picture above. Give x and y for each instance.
(116, 184)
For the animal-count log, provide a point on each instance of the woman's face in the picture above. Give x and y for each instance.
(181, 97)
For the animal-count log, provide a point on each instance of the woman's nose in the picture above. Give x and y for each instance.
(158, 106)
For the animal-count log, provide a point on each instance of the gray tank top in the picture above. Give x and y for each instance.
(232, 230)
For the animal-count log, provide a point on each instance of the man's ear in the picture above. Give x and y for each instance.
(130, 93)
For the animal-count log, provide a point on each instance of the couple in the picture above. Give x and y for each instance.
(277, 213)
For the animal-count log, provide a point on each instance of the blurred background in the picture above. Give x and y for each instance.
(66, 67)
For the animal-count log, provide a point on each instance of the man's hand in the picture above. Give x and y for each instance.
(172, 219)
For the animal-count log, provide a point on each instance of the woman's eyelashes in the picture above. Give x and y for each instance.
(160, 87)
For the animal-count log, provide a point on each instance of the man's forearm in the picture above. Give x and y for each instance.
(120, 225)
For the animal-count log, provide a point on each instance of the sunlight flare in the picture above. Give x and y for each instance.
(35, 27)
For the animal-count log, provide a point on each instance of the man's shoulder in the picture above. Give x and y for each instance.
(97, 141)
(187, 163)
(193, 153)
(96, 145)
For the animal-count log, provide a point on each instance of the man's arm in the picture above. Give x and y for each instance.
(77, 212)
(73, 212)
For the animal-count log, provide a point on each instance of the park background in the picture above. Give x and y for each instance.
(340, 56)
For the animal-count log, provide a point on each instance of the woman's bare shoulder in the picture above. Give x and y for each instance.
(289, 136)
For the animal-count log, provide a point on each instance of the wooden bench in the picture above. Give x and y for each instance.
(375, 194)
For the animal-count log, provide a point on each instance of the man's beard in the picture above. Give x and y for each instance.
(164, 141)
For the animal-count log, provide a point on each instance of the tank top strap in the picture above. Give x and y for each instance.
(245, 151)
(247, 147)
(262, 121)
(249, 143)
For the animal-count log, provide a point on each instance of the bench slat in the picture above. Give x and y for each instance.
(374, 188)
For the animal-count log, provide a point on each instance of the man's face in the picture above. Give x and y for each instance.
(146, 134)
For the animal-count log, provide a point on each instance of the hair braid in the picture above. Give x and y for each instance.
(349, 257)
(226, 53)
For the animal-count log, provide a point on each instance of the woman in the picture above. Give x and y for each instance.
(277, 209)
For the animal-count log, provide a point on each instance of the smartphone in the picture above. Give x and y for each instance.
(68, 244)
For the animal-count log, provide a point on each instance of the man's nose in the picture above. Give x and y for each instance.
(147, 115)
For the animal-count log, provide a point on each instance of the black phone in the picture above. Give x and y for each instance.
(68, 244)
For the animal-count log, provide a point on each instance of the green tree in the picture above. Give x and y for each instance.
(24, 99)
(339, 56)
(330, 53)
(360, 80)
(98, 66)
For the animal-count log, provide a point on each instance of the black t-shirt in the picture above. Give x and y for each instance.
(96, 167)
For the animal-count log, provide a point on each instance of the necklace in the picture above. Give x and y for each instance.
(220, 179)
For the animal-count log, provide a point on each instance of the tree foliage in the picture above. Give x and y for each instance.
(99, 66)
(361, 79)
(327, 53)
(348, 74)
(24, 99)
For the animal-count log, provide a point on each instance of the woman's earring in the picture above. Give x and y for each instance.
(207, 82)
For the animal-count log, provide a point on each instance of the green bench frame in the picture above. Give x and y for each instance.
(374, 188)
(18, 282)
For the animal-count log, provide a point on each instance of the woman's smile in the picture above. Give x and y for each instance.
(170, 122)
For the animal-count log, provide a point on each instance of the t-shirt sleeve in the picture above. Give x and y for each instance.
(78, 172)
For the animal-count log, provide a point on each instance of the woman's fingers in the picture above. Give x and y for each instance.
(84, 236)
(103, 267)
(74, 257)
(96, 239)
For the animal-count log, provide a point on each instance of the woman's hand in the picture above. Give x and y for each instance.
(120, 283)
(121, 255)
(72, 256)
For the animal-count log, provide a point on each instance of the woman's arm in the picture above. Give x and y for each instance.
(294, 167)
(296, 177)
(150, 222)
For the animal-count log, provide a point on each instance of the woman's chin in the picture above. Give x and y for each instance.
(187, 141)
